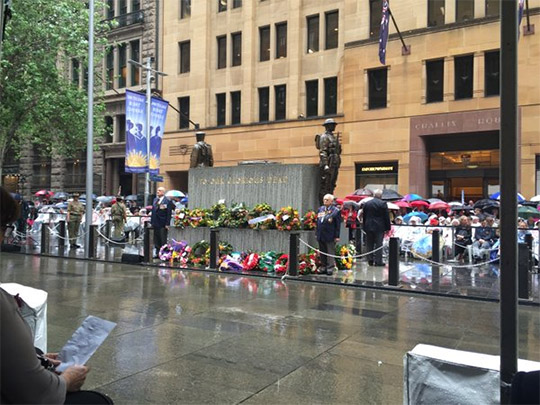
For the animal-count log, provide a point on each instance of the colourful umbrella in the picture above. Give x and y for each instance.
(403, 204)
(497, 196)
(419, 203)
(526, 212)
(44, 193)
(439, 205)
(354, 197)
(422, 215)
(412, 197)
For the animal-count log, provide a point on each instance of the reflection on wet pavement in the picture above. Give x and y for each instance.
(192, 337)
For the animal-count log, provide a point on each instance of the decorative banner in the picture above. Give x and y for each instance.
(158, 115)
(383, 34)
(136, 156)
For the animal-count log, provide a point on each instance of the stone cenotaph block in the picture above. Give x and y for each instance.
(279, 185)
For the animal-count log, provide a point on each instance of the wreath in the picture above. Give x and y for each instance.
(198, 217)
(309, 221)
(346, 259)
(309, 262)
(262, 217)
(200, 254)
(217, 215)
(181, 218)
(231, 263)
(238, 216)
(251, 261)
(267, 261)
(287, 219)
(282, 264)
(173, 251)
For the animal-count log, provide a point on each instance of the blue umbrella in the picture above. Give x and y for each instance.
(497, 196)
(61, 205)
(83, 197)
(16, 196)
(422, 215)
(174, 194)
(412, 197)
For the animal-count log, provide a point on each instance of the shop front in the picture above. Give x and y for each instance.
(374, 175)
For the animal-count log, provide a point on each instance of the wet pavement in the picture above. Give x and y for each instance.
(204, 337)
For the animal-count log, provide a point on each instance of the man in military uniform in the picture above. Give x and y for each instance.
(330, 158)
(201, 155)
(119, 217)
(75, 211)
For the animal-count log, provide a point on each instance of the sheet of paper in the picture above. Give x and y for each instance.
(84, 342)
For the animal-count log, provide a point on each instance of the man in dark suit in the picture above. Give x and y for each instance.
(328, 226)
(376, 222)
(161, 218)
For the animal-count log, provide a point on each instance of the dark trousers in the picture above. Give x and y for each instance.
(374, 240)
(160, 238)
(327, 248)
(86, 398)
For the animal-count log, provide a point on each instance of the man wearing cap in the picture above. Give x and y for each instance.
(119, 217)
(201, 155)
(330, 158)
(75, 211)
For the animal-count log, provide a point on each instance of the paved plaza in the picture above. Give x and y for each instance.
(204, 337)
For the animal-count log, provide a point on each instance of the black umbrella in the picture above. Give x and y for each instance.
(390, 195)
(460, 208)
(60, 195)
(486, 202)
(533, 204)
(364, 191)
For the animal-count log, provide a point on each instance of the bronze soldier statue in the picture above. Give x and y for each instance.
(201, 155)
(330, 158)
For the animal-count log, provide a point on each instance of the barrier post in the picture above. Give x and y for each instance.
(293, 253)
(44, 238)
(147, 243)
(108, 228)
(92, 244)
(214, 248)
(524, 264)
(61, 235)
(393, 262)
(359, 240)
(436, 257)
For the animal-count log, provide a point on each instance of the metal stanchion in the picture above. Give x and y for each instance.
(214, 248)
(293, 253)
(92, 245)
(108, 228)
(359, 240)
(436, 257)
(393, 262)
(147, 245)
(524, 265)
(45, 238)
(61, 236)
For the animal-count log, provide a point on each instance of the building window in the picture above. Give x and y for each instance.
(236, 3)
(236, 103)
(122, 7)
(264, 104)
(221, 109)
(435, 13)
(312, 98)
(85, 78)
(313, 34)
(330, 96)
(135, 5)
(136, 56)
(185, 56)
(281, 102)
(281, 40)
(463, 77)
(435, 80)
(75, 69)
(464, 10)
(264, 43)
(493, 8)
(332, 29)
(377, 88)
(108, 135)
(236, 40)
(222, 5)
(185, 8)
(222, 52)
(109, 68)
(375, 15)
(122, 67)
(491, 73)
(110, 9)
(183, 104)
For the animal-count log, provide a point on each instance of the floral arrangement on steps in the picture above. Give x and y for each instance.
(262, 217)
(287, 219)
(238, 216)
(282, 264)
(309, 262)
(309, 221)
(346, 253)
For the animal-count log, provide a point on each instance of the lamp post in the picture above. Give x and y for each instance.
(90, 131)
(149, 79)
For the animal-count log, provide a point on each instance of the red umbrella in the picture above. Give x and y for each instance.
(402, 204)
(354, 197)
(439, 205)
(44, 193)
(419, 203)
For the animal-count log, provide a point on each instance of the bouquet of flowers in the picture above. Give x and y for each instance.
(173, 251)
(287, 219)
(261, 217)
(308, 262)
(346, 253)
(181, 218)
(251, 261)
(282, 264)
(267, 261)
(309, 220)
(200, 254)
(231, 263)
(238, 216)
(198, 217)
(217, 215)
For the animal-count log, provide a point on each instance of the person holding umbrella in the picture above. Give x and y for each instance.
(75, 211)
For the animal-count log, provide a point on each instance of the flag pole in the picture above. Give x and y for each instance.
(406, 49)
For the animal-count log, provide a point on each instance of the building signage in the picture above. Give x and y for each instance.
(376, 168)
(469, 121)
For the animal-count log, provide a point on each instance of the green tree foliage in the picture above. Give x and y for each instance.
(39, 104)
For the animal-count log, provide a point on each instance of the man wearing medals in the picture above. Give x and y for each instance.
(327, 231)
(161, 218)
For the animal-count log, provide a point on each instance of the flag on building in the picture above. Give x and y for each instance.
(136, 154)
(521, 4)
(158, 116)
(383, 34)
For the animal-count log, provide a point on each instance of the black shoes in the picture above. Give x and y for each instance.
(74, 246)
(372, 263)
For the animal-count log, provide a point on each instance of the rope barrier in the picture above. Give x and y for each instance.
(450, 265)
(339, 257)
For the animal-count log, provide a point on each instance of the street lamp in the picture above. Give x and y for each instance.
(149, 79)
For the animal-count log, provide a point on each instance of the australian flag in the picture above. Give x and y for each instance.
(521, 4)
(383, 35)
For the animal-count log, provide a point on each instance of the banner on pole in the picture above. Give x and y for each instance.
(158, 115)
(136, 154)
(383, 34)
